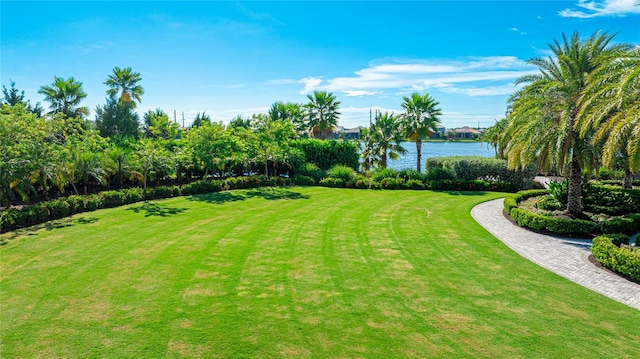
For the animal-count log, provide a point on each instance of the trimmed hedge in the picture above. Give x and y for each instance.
(621, 260)
(481, 168)
(13, 218)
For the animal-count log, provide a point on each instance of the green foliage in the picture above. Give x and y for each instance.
(629, 224)
(203, 186)
(480, 168)
(333, 182)
(621, 260)
(302, 180)
(326, 154)
(610, 200)
(347, 174)
(414, 184)
(559, 191)
(440, 173)
(312, 171)
(540, 222)
(549, 203)
(117, 120)
(381, 173)
(412, 175)
(392, 183)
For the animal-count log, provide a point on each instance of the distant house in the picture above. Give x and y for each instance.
(440, 132)
(347, 133)
(467, 132)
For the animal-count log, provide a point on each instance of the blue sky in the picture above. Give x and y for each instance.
(232, 57)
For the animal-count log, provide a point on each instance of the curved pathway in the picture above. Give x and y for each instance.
(567, 257)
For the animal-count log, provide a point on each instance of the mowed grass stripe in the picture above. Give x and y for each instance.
(293, 272)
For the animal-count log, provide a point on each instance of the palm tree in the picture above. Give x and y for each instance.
(125, 81)
(420, 120)
(322, 114)
(494, 135)
(201, 119)
(611, 107)
(542, 122)
(386, 137)
(65, 97)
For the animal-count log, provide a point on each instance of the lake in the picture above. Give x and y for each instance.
(440, 149)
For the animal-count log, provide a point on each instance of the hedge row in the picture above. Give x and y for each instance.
(13, 218)
(622, 260)
(401, 183)
(467, 168)
(628, 223)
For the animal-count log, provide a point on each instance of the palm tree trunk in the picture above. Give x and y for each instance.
(419, 152)
(628, 179)
(383, 161)
(574, 200)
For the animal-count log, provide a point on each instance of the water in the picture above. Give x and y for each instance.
(439, 149)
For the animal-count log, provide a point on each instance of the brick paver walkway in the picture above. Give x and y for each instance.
(564, 256)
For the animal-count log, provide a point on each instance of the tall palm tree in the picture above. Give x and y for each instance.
(542, 122)
(65, 97)
(420, 120)
(386, 136)
(125, 82)
(611, 107)
(322, 114)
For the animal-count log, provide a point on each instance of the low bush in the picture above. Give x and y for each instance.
(480, 168)
(346, 174)
(313, 171)
(610, 200)
(549, 203)
(540, 222)
(622, 260)
(408, 175)
(333, 182)
(382, 173)
(628, 224)
(414, 184)
(440, 173)
(392, 183)
(276, 181)
(302, 180)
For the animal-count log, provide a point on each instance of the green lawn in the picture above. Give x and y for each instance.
(297, 272)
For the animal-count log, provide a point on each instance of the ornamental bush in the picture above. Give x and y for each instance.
(481, 168)
(622, 260)
(346, 174)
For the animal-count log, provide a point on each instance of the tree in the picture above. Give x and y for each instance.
(542, 121)
(272, 144)
(201, 119)
(420, 120)
(385, 135)
(117, 120)
(65, 97)
(14, 97)
(158, 125)
(119, 163)
(494, 135)
(322, 114)
(610, 107)
(125, 82)
(289, 111)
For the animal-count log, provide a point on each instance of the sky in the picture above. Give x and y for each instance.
(232, 58)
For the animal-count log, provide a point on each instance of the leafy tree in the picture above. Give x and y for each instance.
(119, 163)
(610, 107)
(201, 119)
(420, 120)
(322, 114)
(289, 111)
(542, 123)
(125, 81)
(152, 158)
(214, 148)
(495, 136)
(385, 136)
(117, 120)
(65, 97)
(12, 96)
(239, 122)
(158, 125)
(273, 143)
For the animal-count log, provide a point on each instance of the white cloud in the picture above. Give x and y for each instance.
(478, 91)
(516, 30)
(416, 75)
(310, 84)
(597, 8)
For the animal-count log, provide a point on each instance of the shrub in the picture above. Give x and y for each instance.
(392, 183)
(382, 173)
(511, 201)
(559, 192)
(412, 175)
(312, 170)
(362, 182)
(480, 168)
(539, 222)
(549, 203)
(202, 186)
(347, 174)
(302, 180)
(439, 173)
(276, 181)
(333, 182)
(621, 260)
(628, 224)
(165, 191)
(610, 200)
(414, 184)
(329, 153)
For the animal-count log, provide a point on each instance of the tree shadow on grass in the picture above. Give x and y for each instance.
(156, 209)
(49, 226)
(268, 193)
